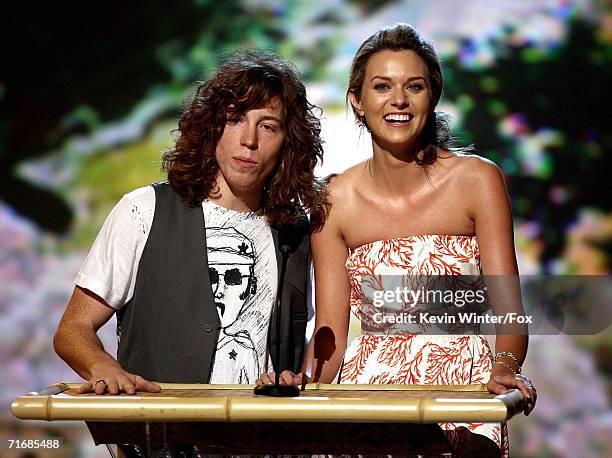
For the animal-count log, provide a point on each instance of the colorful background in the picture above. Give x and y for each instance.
(90, 94)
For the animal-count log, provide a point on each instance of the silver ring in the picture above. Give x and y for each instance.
(101, 381)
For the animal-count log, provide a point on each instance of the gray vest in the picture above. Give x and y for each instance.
(168, 331)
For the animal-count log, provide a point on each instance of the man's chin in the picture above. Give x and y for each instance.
(246, 186)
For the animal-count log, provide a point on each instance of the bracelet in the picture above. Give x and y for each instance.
(507, 365)
(511, 356)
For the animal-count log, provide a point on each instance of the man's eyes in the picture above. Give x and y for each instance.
(269, 127)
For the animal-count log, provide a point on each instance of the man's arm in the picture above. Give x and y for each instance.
(76, 342)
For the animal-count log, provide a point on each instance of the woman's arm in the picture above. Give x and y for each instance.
(332, 293)
(490, 210)
(326, 348)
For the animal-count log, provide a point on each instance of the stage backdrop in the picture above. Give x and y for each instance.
(90, 94)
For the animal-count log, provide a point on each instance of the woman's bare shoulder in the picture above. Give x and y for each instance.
(478, 181)
(343, 185)
(470, 165)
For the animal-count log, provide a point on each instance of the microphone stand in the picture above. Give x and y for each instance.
(278, 390)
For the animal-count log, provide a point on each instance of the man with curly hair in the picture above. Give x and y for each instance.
(190, 265)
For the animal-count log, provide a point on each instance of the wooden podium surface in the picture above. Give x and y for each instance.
(231, 419)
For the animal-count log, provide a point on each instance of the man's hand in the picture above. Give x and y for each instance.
(503, 379)
(113, 379)
(286, 378)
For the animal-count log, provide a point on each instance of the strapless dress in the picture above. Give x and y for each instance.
(400, 354)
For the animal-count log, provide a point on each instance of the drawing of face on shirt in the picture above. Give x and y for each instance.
(231, 261)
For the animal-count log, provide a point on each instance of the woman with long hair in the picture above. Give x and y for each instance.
(416, 208)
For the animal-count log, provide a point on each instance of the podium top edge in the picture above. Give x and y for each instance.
(58, 388)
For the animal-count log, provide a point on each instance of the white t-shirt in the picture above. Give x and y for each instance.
(242, 266)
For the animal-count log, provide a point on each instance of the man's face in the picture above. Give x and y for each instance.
(249, 148)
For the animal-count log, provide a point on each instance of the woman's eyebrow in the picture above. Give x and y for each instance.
(386, 78)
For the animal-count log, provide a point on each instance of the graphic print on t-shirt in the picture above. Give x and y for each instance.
(241, 263)
(231, 265)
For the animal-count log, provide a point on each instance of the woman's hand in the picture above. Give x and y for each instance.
(503, 379)
(286, 378)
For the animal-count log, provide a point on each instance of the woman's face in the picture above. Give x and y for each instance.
(395, 99)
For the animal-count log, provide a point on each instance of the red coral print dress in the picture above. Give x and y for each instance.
(406, 357)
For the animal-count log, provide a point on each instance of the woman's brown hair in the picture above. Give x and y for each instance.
(248, 80)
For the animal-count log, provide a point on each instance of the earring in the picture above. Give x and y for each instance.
(361, 121)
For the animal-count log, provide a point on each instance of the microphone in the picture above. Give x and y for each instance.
(289, 238)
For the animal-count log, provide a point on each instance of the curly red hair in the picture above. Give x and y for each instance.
(244, 81)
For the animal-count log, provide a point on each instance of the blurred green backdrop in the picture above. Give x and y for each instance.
(90, 93)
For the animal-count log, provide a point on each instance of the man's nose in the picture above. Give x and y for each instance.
(248, 136)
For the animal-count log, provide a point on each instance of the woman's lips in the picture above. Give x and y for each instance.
(398, 119)
(397, 123)
(244, 162)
